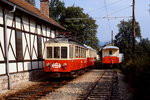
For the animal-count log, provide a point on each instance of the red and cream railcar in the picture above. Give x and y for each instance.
(110, 55)
(66, 55)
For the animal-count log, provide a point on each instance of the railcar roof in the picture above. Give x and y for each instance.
(89, 47)
(65, 40)
(110, 47)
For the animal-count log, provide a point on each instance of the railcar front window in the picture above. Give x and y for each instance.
(110, 52)
(56, 52)
(49, 52)
(63, 52)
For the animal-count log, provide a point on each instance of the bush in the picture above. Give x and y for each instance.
(138, 75)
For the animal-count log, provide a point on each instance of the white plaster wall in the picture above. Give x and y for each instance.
(35, 65)
(2, 42)
(1, 16)
(32, 26)
(18, 23)
(48, 32)
(33, 44)
(10, 20)
(39, 29)
(2, 69)
(20, 66)
(27, 66)
(43, 46)
(52, 34)
(26, 46)
(44, 30)
(26, 23)
(12, 40)
(12, 67)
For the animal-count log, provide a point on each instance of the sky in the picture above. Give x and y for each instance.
(98, 9)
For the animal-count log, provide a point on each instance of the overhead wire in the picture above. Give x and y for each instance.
(107, 14)
(110, 4)
(104, 17)
(120, 10)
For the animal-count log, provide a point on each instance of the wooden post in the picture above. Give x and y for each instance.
(133, 28)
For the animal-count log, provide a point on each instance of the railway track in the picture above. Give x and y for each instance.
(105, 88)
(37, 91)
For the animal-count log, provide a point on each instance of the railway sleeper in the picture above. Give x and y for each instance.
(98, 98)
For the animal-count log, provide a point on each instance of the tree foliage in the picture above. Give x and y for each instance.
(84, 30)
(124, 37)
(56, 8)
(31, 2)
(137, 72)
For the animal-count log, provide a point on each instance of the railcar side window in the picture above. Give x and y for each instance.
(79, 55)
(71, 51)
(56, 52)
(76, 51)
(63, 52)
(49, 52)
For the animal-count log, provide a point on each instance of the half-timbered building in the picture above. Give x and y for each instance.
(23, 32)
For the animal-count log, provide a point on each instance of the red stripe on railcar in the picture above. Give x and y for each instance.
(67, 65)
(110, 60)
(64, 65)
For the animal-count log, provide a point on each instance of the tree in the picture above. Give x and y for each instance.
(83, 29)
(124, 37)
(56, 8)
(144, 47)
(31, 2)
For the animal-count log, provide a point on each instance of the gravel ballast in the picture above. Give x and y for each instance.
(75, 88)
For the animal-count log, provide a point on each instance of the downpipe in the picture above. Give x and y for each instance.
(6, 45)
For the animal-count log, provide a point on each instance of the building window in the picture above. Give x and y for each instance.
(39, 47)
(63, 52)
(19, 48)
(49, 52)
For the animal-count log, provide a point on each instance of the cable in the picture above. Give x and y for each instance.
(110, 4)
(110, 17)
(113, 17)
(120, 10)
(107, 14)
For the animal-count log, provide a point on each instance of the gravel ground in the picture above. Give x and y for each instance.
(17, 88)
(123, 88)
(75, 88)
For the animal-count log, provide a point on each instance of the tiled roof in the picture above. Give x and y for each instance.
(30, 8)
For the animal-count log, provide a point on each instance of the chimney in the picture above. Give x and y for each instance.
(44, 7)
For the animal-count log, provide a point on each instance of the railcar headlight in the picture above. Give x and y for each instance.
(48, 65)
(64, 65)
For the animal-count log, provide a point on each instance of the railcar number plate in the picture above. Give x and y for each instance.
(55, 69)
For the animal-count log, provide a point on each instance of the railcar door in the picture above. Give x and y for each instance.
(71, 56)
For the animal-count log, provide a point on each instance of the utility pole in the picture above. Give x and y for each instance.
(133, 28)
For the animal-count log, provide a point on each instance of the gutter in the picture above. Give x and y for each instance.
(7, 44)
